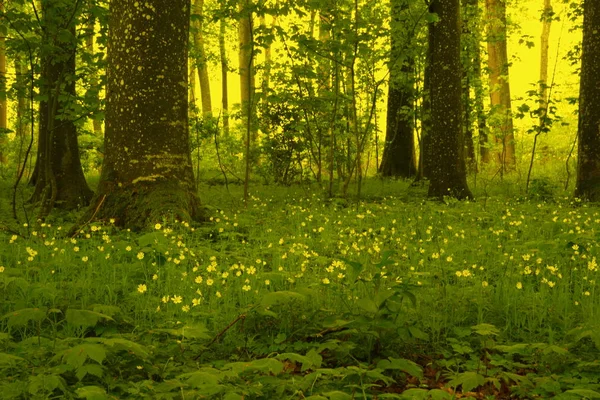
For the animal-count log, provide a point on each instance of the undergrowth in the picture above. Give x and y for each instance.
(303, 297)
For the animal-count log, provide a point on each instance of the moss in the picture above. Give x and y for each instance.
(149, 202)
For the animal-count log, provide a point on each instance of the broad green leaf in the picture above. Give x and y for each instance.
(521, 348)
(468, 380)
(315, 397)
(123, 344)
(92, 369)
(367, 305)
(417, 333)
(233, 396)
(438, 394)
(8, 360)
(265, 365)
(281, 297)
(554, 349)
(485, 330)
(584, 393)
(92, 393)
(85, 318)
(207, 383)
(23, 316)
(46, 383)
(337, 395)
(407, 366)
(78, 355)
(4, 337)
(415, 394)
(196, 331)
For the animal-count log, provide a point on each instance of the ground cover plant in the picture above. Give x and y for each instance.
(302, 297)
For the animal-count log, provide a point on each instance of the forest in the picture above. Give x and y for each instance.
(299, 199)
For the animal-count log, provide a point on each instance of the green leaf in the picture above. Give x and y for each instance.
(78, 355)
(415, 394)
(337, 395)
(367, 305)
(92, 369)
(91, 393)
(22, 317)
(485, 330)
(438, 394)
(8, 360)
(123, 344)
(196, 331)
(265, 365)
(45, 384)
(417, 333)
(406, 366)
(85, 318)
(207, 383)
(233, 396)
(468, 380)
(584, 393)
(281, 297)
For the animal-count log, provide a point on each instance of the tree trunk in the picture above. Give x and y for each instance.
(448, 173)
(547, 15)
(58, 175)
(470, 46)
(588, 165)
(500, 83)
(201, 62)
(94, 82)
(399, 151)
(147, 173)
(224, 72)
(246, 67)
(3, 102)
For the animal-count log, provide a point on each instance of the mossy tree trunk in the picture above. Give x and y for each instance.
(147, 172)
(399, 151)
(58, 176)
(447, 172)
(588, 165)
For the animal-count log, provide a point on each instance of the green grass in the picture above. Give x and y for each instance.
(301, 297)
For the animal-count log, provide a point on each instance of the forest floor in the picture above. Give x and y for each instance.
(297, 296)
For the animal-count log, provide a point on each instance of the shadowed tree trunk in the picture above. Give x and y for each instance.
(399, 152)
(58, 177)
(224, 72)
(147, 171)
(588, 165)
(3, 102)
(500, 83)
(547, 15)
(94, 82)
(447, 172)
(470, 46)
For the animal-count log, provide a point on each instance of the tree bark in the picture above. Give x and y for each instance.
(399, 151)
(588, 165)
(147, 174)
(547, 15)
(246, 67)
(201, 62)
(448, 173)
(500, 83)
(58, 176)
(94, 82)
(3, 102)
(224, 72)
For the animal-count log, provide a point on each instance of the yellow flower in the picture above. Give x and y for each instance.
(185, 308)
(218, 294)
(154, 277)
(209, 282)
(325, 281)
(157, 226)
(484, 284)
(140, 255)
(128, 248)
(267, 282)
(519, 285)
(75, 249)
(1, 269)
(177, 299)
(142, 288)
(198, 279)
(246, 288)
(84, 258)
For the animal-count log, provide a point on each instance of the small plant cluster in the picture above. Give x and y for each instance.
(302, 298)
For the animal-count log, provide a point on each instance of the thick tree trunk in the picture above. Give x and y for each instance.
(470, 46)
(147, 173)
(448, 173)
(58, 175)
(399, 151)
(201, 62)
(500, 83)
(588, 165)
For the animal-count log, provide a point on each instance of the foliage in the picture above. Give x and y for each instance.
(300, 297)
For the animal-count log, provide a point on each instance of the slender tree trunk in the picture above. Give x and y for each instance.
(224, 72)
(588, 164)
(94, 82)
(448, 173)
(482, 129)
(22, 126)
(500, 83)
(3, 102)
(246, 67)
(58, 175)
(201, 62)
(470, 46)
(547, 15)
(147, 173)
